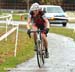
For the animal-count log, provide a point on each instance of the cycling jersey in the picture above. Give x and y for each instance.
(38, 20)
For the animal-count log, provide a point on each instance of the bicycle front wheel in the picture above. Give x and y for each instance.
(40, 55)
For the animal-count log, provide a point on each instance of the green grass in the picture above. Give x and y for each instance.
(24, 51)
(15, 17)
(63, 31)
(18, 17)
(25, 47)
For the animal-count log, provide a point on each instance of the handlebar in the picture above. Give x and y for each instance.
(37, 31)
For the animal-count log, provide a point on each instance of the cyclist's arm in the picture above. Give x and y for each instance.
(46, 21)
(28, 22)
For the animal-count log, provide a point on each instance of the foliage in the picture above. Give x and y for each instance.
(69, 1)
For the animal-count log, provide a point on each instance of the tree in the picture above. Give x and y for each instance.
(69, 1)
(52, 1)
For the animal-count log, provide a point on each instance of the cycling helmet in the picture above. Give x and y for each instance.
(35, 6)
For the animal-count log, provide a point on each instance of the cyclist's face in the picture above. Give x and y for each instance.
(36, 12)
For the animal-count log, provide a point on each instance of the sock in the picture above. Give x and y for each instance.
(46, 49)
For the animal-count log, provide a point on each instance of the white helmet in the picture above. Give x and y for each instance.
(35, 6)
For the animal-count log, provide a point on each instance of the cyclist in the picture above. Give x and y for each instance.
(38, 19)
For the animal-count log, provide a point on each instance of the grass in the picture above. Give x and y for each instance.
(24, 50)
(25, 47)
(63, 31)
(15, 17)
(18, 18)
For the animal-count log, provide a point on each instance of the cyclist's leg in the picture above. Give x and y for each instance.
(44, 37)
(45, 40)
(45, 44)
(34, 27)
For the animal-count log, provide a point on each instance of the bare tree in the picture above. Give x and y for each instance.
(52, 1)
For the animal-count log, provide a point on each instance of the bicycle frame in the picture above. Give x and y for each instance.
(39, 35)
(40, 53)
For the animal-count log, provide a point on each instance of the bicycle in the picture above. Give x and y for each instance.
(40, 51)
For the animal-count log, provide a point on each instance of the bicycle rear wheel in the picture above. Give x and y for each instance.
(40, 54)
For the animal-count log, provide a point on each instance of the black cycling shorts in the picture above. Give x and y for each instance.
(40, 26)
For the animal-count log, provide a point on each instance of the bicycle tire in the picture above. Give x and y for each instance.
(43, 51)
(40, 56)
